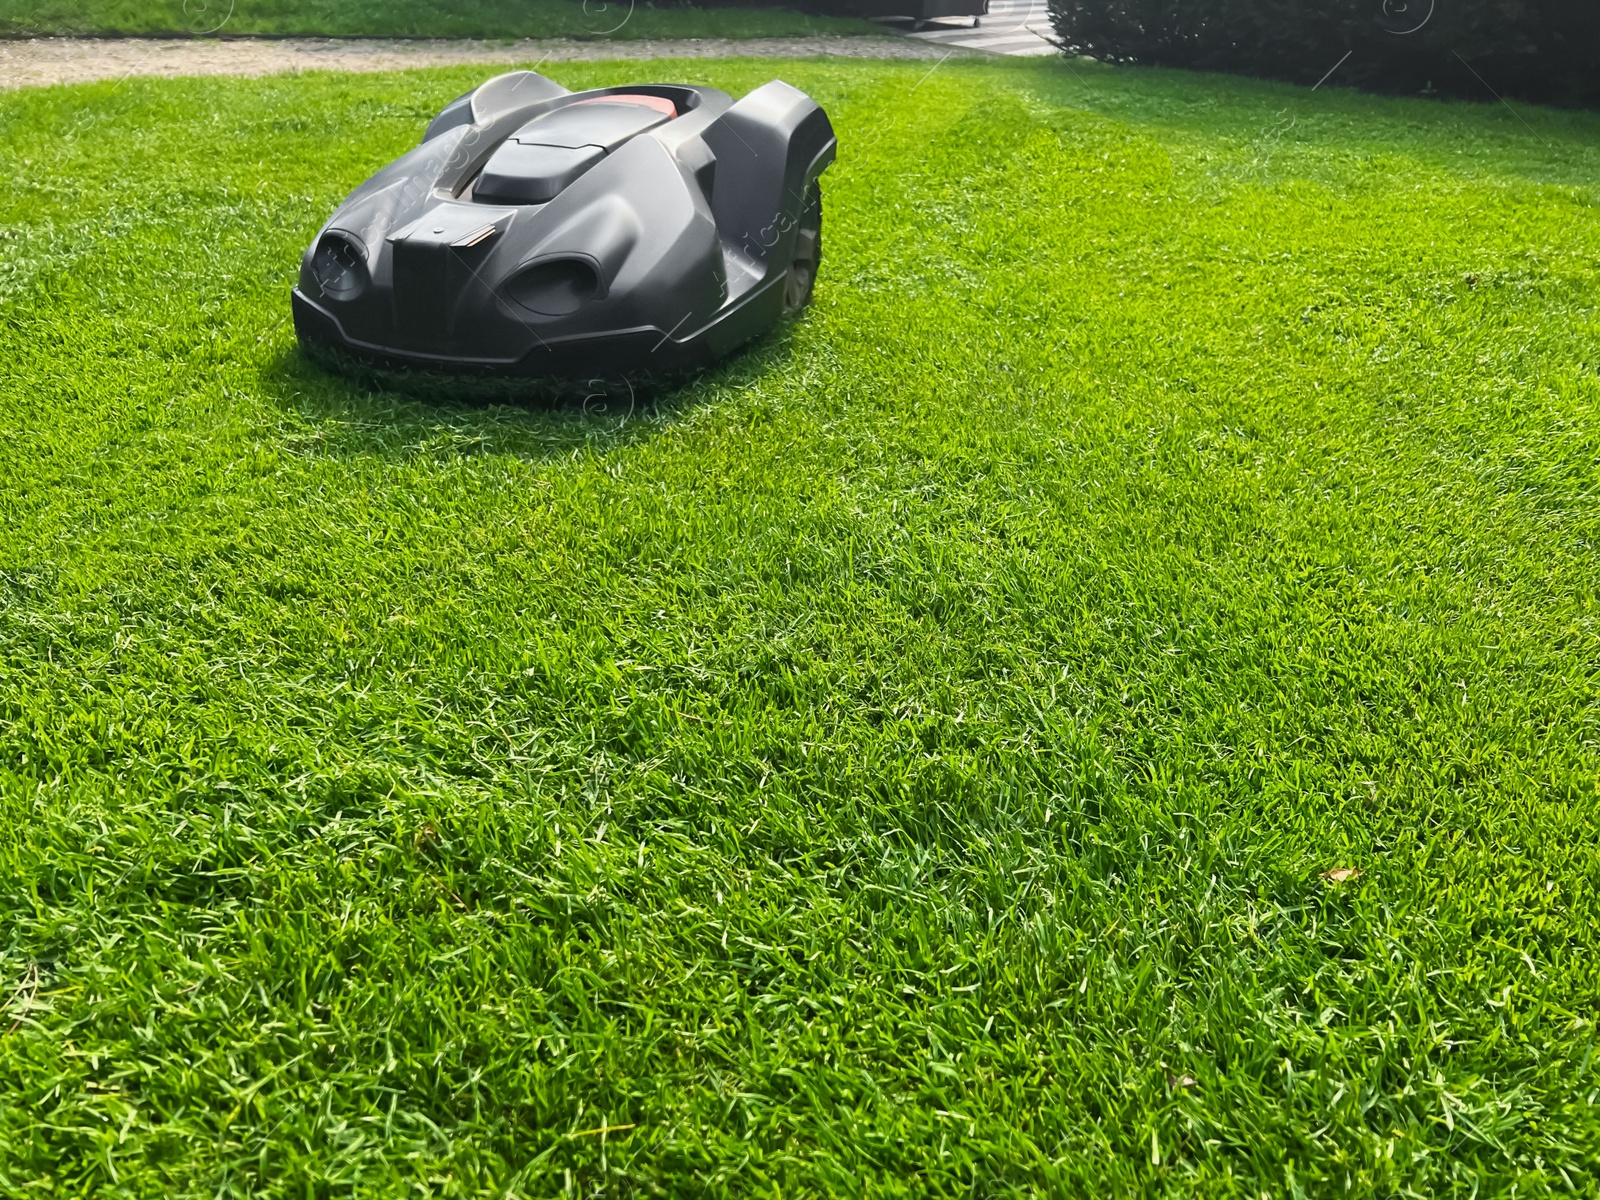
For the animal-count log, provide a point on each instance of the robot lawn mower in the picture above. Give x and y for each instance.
(542, 232)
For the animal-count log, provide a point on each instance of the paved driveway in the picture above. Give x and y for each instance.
(1012, 27)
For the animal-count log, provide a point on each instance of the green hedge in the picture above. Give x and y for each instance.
(1543, 50)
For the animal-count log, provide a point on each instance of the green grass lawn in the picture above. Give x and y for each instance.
(905, 761)
(409, 18)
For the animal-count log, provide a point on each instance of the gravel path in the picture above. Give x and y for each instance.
(37, 61)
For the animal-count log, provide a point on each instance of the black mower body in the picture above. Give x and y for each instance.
(537, 231)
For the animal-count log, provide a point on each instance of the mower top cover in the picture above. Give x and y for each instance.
(537, 231)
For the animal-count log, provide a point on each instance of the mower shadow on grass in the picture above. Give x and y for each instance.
(353, 408)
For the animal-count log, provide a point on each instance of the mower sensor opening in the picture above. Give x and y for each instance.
(556, 286)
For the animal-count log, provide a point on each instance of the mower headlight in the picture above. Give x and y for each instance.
(340, 266)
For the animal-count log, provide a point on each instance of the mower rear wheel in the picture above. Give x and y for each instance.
(802, 277)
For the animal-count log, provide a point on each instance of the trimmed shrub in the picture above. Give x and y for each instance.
(1545, 50)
